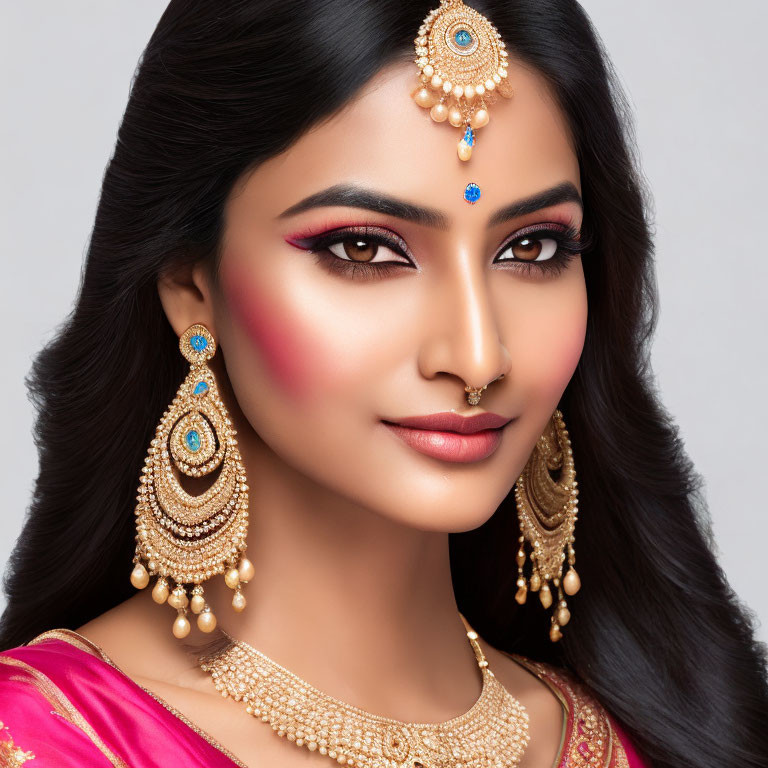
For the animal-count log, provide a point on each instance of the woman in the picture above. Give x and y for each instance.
(387, 441)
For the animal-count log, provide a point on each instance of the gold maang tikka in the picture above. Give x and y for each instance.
(547, 509)
(183, 538)
(463, 64)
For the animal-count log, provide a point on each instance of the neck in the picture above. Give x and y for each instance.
(358, 605)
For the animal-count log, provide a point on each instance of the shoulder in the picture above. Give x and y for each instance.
(591, 733)
(33, 669)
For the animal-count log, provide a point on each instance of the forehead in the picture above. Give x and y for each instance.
(384, 140)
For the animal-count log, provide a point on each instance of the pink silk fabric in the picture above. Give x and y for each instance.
(124, 725)
(72, 709)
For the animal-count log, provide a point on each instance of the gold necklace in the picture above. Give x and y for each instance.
(493, 733)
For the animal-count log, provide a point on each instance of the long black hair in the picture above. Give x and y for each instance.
(657, 632)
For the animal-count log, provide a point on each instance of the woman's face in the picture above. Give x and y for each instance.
(327, 337)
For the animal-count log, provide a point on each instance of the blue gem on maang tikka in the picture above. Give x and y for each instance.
(472, 193)
(463, 38)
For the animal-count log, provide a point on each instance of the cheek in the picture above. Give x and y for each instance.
(551, 342)
(279, 339)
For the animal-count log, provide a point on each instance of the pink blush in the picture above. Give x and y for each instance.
(286, 351)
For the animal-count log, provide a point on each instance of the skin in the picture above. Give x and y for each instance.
(349, 525)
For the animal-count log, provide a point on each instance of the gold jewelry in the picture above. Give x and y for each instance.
(190, 538)
(463, 63)
(493, 732)
(474, 393)
(547, 509)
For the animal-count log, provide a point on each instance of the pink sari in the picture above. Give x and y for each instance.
(65, 704)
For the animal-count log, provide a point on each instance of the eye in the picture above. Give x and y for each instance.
(360, 253)
(542, 249)
(531, 248)
(364, 250)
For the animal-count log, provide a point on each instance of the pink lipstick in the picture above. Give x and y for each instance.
(451, 437)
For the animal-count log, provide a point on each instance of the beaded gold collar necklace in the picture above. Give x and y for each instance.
(493, 733)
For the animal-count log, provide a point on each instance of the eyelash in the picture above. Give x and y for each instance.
(568, 240)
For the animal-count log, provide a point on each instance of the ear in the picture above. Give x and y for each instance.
(186, 295)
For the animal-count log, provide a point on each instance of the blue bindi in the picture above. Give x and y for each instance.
(472, 193)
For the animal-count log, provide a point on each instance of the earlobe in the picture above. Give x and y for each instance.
(186, 296)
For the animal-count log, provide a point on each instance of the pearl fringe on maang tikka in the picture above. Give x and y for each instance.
(186, 538)
(463, 63)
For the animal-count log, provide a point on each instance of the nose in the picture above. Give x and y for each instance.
(462, 335)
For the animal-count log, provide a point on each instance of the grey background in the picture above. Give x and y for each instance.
(694, 73)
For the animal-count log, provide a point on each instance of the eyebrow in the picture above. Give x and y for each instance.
(352, 196)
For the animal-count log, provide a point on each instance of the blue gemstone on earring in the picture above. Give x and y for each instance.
(469, 136)
(200, 388)
(192, 439)
(198, 342)
(462, 38)
(472, 192)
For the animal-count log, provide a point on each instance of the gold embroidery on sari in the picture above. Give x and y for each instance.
(592, 740)
(61, 704)
(12, 755)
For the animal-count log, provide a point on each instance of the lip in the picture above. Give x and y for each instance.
(451, 437)
(447, 421)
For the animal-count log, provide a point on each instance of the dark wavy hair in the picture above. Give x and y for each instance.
(657, 632)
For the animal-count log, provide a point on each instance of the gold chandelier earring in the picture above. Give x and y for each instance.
(547, 509)
(184, 539)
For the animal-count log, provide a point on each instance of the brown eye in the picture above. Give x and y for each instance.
(360, 250)
(364, 251)
(529, 248)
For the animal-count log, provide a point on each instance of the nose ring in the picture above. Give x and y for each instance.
(475, 393)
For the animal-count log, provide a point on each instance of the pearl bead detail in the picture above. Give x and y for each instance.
(238, 601)
(480, 118)
(439, 113)
(197, 603)
(178, 598)
(232, 578)
(245, 570)
(139, 576)
(181, 627)
(454, 117)
(160, 591)
(206, 621)
(424, 98)
(571, 582)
